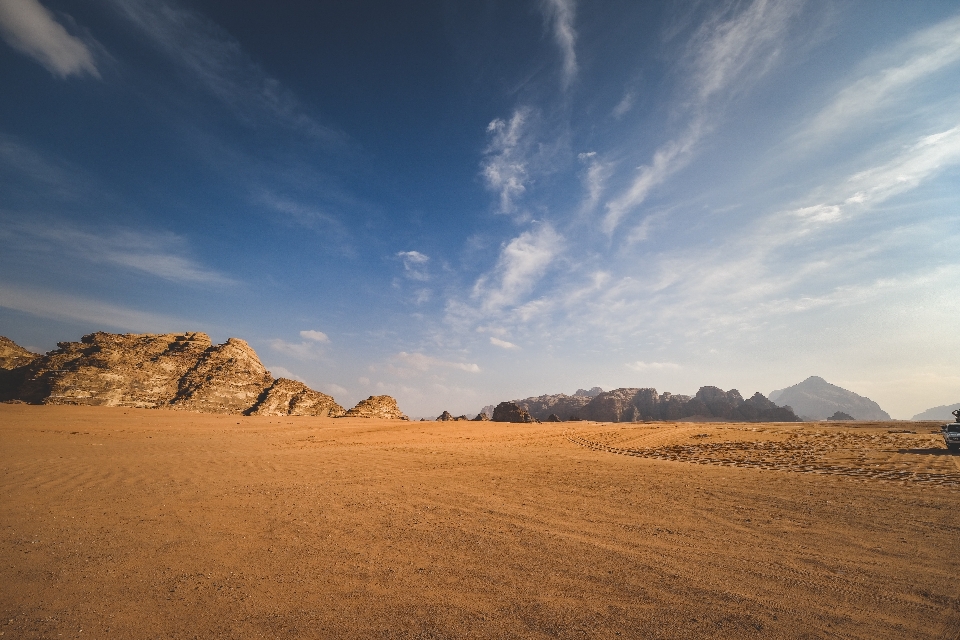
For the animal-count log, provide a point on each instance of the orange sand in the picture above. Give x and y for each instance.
(139, 523)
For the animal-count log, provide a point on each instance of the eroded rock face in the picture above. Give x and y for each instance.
(446, 416)
(180, 371)
(228, 378)
(482, 417)
(287, 397)
(383, 407)
(511, 412)
(13, 355)
(632, 405)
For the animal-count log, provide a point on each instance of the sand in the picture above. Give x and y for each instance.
(165, 524)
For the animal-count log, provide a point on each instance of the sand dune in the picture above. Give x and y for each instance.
(148, 523)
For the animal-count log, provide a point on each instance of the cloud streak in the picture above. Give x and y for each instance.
(522, 262)
(30, 28)
(560, 14)
(504, 167)
(422, 362)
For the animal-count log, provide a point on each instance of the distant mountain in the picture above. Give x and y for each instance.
(938, 413)
(631, 405)
(817, 399)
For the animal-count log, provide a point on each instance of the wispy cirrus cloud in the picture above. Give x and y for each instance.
(503, 344)
(919, 57)
(414, 265)
(31, 28)
(505, 165)
(560, 15)
(729, 51)
(160, 254)
(522, 262)
(421, 362)
(215, 60)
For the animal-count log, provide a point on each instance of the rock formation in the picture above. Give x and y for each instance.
(816, 399)
(482, 417)
(446, 416)
(178, 371)
(631, 405)
(840, 415)
(13, 355)
(511, 412)
(383, 407)
(291, 398)
(553, 418)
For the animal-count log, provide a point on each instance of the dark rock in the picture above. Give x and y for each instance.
(553, 418)
(481, 417)
(511, 412)
(840, 415)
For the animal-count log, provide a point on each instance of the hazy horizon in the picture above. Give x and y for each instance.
(462, 204)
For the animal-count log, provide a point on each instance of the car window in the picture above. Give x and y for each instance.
(953, 428)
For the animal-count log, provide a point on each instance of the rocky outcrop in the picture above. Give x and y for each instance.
(816, 399)
(482, 417)
(511, 412)
(446, 416)
(632, 405)
(840, 415)
(553, 418)
(291, 398)
(13, 355)
(383, 407)
(172, 370)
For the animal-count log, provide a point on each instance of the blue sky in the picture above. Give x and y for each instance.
(461, 203)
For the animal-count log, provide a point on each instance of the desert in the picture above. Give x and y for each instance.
(128, 522)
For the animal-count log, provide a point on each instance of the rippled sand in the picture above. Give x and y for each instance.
(139, 523)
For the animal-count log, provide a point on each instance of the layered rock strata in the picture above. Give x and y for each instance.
(383, 407)
(178, 371)
(291, 398)
(633, 404)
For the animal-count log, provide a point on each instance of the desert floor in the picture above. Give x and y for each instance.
(148, 523)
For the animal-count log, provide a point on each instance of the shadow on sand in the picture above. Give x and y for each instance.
(929, 452)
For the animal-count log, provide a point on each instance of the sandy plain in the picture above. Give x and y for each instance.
(161, 524)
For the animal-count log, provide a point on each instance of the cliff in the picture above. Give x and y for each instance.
(177, 371)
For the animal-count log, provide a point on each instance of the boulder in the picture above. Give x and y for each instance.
(383, 407)
(840, 415)
(511, 412)
(291, 398)
(445, 416)
(481, 417)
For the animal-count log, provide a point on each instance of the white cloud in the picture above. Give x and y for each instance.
(97, 314)
(640, 365)
(30, 28)
(216, 61)
(422, 362)
(624, 105)
(921, 56)
(334, 389)
(504, 167)
(594, 180)
(281, 372)
(414, 265)
(905, 172)
(726, 55)
(503, 344)
(561, 14)
(316, 336)
(522, 262)
(159, 254)
(308, 350)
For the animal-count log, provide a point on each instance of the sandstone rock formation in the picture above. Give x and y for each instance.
(840, 415)
(481, 417)
(291, 398)
(631, 405)
(511, 412)
(553, 418)
(383, 407)
(446, 416)
(179, 371)
(815, 399)
(13, 355)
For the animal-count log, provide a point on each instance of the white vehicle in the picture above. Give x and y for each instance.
(951, 433)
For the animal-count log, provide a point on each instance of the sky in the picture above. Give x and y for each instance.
(460, 203)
